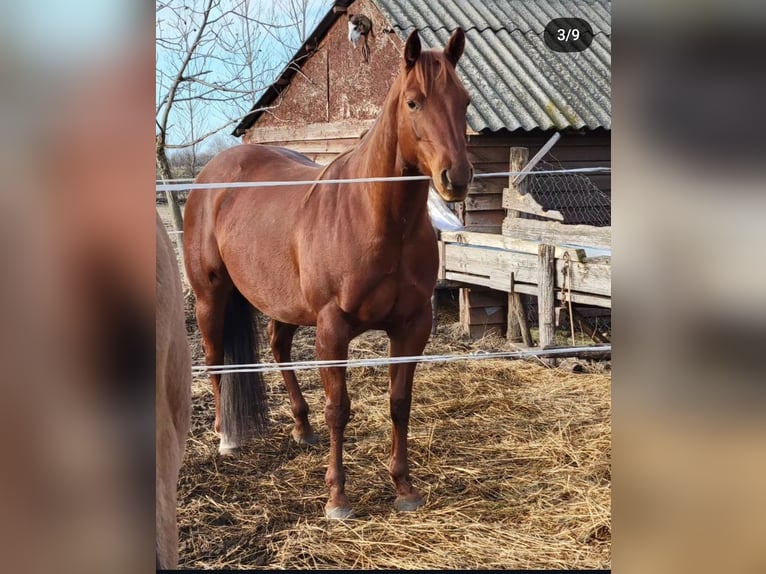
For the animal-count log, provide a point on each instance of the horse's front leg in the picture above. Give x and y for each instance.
(332, 338)
(408, 339)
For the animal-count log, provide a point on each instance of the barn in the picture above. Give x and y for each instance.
(521, 92)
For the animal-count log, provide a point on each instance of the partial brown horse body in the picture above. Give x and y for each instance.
(347, 258)
(173, 397)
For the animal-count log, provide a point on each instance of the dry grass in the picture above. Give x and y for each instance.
(512, 458)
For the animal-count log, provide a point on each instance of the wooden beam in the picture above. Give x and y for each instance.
(484, 228)
(467, 279)
(503, 242)
(536, 159)
(546, 299)
(483, 201)
(518, 328)
(442, 259)
(320, 131)
(495, 267)
(557, 233)
(526, 204)
(485, 185)
(517, 314)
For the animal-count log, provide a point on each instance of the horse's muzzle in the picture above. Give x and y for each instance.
(454, 186)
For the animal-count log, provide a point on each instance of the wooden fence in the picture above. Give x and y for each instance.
(556, 262)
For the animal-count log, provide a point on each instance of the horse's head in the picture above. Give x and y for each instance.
(432, 108)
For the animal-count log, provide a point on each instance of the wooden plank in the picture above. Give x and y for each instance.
(480, 298)
(318, 131)
(504, 242)
(526, 203)
(319, 146)
(494, 315)
(518, 326)
(484, 228)
(530, 165)
(529, 289)
(484, 202)
(602, 301)
(493, 185)
(494, 217)
(441, 276)
(517, 321)
(556, 233)
(496, 266)
(546, 299)
(476, 316)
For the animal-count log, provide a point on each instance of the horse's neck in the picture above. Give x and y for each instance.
(393, 204)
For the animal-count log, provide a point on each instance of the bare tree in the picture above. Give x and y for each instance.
(210, 66)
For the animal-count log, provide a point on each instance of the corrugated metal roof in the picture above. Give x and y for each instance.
(515, 80)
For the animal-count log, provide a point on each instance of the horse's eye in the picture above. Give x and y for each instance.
(412, 104)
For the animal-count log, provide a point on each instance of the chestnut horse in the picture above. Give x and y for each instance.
(172, 397)
(346, 258)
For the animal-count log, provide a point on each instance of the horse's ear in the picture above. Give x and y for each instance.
(412, 49)
(455, 46)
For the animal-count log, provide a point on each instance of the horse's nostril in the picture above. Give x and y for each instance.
(445, 179)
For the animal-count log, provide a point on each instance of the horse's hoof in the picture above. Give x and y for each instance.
(408, 502)
(227, 448)
(338, 512)
(230, 451)
(311, 439)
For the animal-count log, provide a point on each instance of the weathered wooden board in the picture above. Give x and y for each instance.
(482, 311)
(531, 289)
(486, 229)
(556, 233)
(546, 298)
(483, 202)
(485, 218)
(525, 203)
(496, 266)
(318, 131)
(503, 242)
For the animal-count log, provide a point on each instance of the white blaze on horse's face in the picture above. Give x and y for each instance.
(435, 101)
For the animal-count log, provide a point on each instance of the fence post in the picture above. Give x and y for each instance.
(546, 299)
(518, 330)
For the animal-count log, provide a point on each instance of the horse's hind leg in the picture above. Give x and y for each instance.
(211, 311)
(281, 340)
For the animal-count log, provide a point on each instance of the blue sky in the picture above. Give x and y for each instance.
(209, 115)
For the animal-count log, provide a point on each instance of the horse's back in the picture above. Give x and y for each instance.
(243, 163)
(173, 395)
(256, 162)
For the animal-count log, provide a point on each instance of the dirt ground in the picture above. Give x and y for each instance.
(513, 459)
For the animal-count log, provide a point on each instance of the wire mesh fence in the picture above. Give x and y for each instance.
(574, 195)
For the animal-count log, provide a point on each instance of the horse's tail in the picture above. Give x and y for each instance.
(244, 402)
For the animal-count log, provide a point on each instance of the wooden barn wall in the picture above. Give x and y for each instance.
(489, 152)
